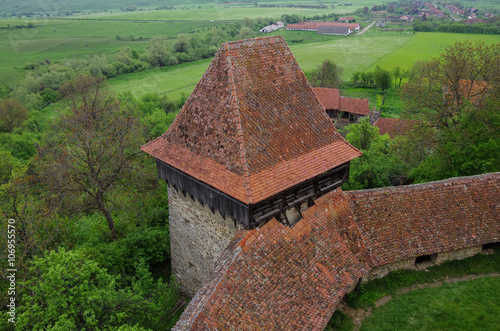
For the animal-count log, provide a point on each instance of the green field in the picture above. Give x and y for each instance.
(470, 305)
(56, 39)
(354, 53)
(219, 13)
(171, 81)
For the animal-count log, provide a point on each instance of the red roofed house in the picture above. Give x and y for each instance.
(261, 234)
(345, 19)
(341, 108)
(314, 26)
(251, 143)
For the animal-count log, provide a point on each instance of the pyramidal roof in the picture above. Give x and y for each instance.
(253, 126)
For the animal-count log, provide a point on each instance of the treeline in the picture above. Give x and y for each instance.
(106, 235)
(455, 27)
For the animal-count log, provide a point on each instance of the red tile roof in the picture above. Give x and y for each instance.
(408, 221)
(328, 97)
(315, 25)
(252, 124)
(394, 126)
(276, 277)
(354, 106)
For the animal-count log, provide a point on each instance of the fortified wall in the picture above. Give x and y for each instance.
(261, 233)
(198, 235)
(251, 143)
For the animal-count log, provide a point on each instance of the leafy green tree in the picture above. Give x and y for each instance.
(90, 154)
(68, 291)
(457, 97)
(328, 74)
(12, 115)
(379, 160)
(383, 79)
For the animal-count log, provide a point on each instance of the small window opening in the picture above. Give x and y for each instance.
(425, 261)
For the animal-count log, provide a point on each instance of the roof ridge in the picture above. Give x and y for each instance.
(458, 180)
(239, 127)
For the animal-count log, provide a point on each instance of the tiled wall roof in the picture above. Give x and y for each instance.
(253, 115)
(276, 278)
(408, 221)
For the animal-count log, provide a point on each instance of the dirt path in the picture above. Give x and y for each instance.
(359, 315)
(364, 30)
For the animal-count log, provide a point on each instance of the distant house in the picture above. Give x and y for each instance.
(341, 108)
(313, 26)
(345, 19)
(394, 126)
(473, 20)
(272, 27)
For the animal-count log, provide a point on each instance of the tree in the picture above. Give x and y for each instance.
(328, 74)
(466, 73)
(457, 97)
(12, 115)
(377, 164)
(383, 80)
(69, 291)
(91, 154)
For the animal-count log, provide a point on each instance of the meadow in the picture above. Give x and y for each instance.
(471, 305)
(354, 53)
(56, 39)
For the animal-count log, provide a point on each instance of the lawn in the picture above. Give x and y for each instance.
(470, 305)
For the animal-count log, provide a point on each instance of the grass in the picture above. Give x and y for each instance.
(340, 322)
(388, 285)
(56, 39)
(471, 305)
(172, 81)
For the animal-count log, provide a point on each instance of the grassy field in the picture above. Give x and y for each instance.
(220, 13)
(471, 305)
(172, 81)
(354, 53)
(55, 39)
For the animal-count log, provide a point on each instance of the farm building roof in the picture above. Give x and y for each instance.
(334, 30)
(315, 25)
(253, 126)
(328, 97)
(394, 126)
(276, 277)
(354, 106)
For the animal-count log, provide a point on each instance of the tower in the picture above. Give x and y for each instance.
(251, 143)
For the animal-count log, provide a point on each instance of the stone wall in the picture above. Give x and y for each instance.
(409, 264)
(197, 239)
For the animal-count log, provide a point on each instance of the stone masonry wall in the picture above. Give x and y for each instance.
(382, 271)
(197, 238)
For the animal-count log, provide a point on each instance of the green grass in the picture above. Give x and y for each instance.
(389, 285)
(172, 81)
(340, 322)
(56, 39)
(471, 305)
(425, 45)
